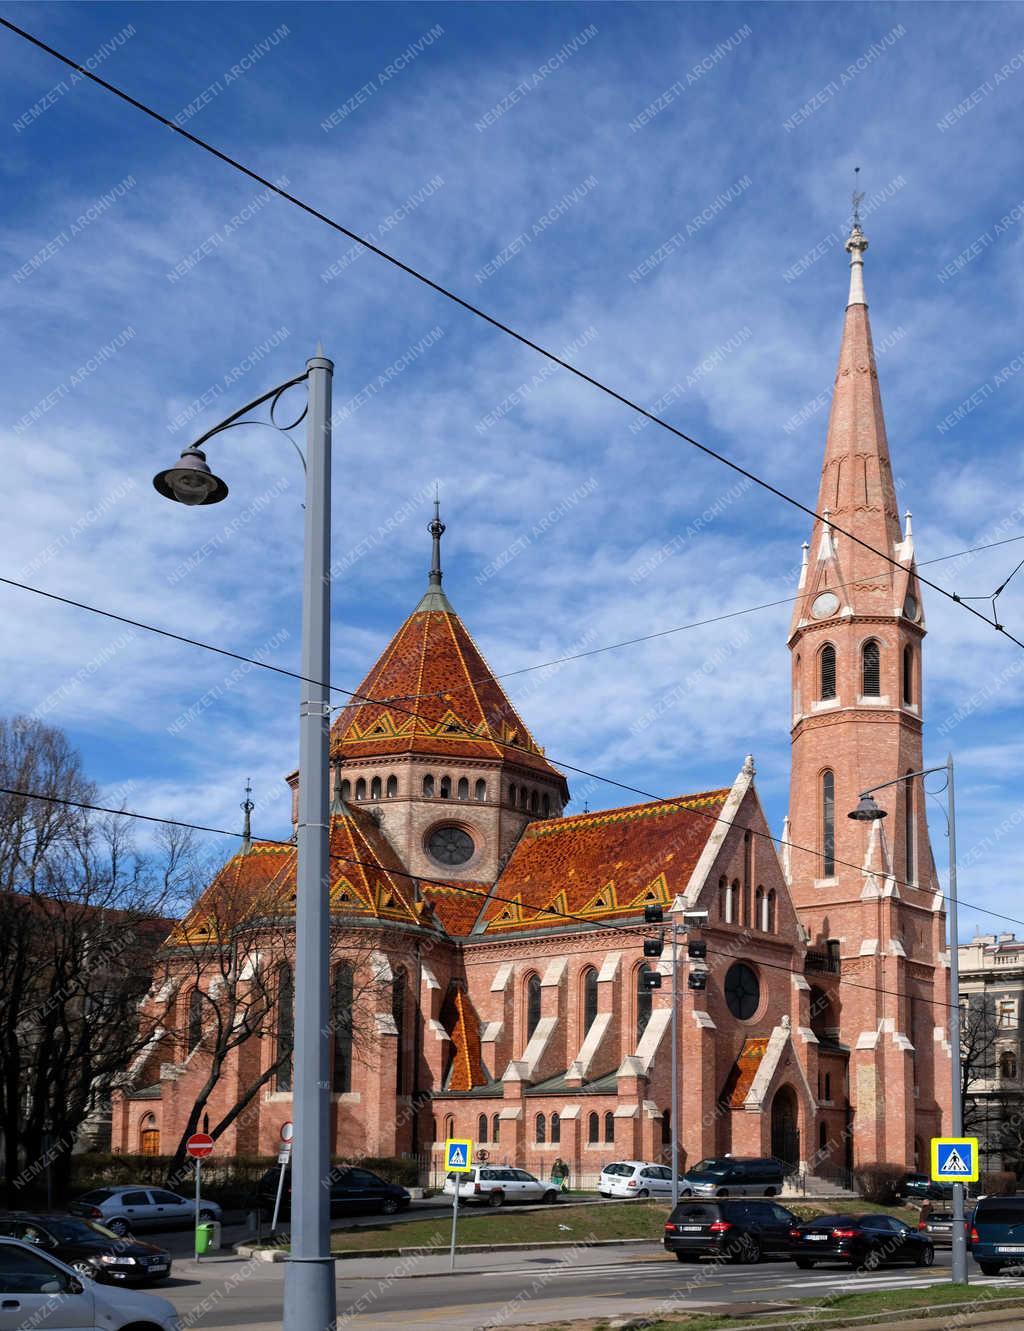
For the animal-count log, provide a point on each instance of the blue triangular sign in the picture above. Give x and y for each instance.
(457, 1156)
(954, 1163)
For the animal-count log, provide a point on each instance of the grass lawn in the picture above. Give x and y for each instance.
(561, 1224)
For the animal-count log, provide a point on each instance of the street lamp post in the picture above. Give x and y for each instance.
(868, 811)
(309, 1289)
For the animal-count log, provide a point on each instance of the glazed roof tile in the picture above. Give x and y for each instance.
(602, 865)
(743, 1071)
(456, 905)
(463, 1026)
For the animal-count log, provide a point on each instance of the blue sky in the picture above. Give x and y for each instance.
(662, 188)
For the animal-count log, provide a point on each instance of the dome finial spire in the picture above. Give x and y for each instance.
(855, 246)
(247, 807)
(437, 530)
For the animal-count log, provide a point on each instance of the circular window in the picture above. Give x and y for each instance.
(742, 991)
(824, 605)
(450, 845)
(910, 607)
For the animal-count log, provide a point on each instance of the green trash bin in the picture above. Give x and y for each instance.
(203, 1235)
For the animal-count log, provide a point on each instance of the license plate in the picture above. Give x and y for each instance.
(690, 1229)
(816, 1238)
(1005, 1247)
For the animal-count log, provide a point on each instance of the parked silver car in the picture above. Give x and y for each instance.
(492, 1185)
(38, 1290)
(635, 1178)
(129, 1209)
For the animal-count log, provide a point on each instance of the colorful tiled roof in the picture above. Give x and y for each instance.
(463, 1026)
(602, 865)
(456, 905)
(743, 1071)
(437, 696)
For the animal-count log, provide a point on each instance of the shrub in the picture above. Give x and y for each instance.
(1001, 1181)
(877, 1181)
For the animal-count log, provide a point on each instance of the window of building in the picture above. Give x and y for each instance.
(449, 1126)
(609, 1128)
(149, 1136)
(871, 669)
(480, 792)
(556, 1129)
(1007, 1012)
(481, 1130)
(463, 788)
(285, 1027)
(495, 1127)
(827, 667)
(1008, 1065)
(524, 797)
(666, 1127)
(593, 1129)
(428, 787)
(773, 903)
(512, 792)
(761, 909)
(341, 1020)
(545, 805)
(398, 995)
(644, 1002)
(361, 788)
(728, 901)
(908, 828)
(828, 824)
(532, 1004)
(376, 789)
(433, 1128)
(822, 1137)
(589, 999)
(535, 802)
(908, 675)
(828, 1085)
(446, 787)
(195, 1018)
(392, 787)
(796, 685)
(540, 1133)
(346, 791)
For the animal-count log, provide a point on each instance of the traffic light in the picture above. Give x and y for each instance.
(653, 915)
(697, 980)
(650, 980)
(653, 947)
(697, 950)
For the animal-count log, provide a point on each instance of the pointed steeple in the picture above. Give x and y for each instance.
(247, 807)
(434, 598)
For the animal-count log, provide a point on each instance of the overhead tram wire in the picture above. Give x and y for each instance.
(507, 745)
(606, 925)
(494, 322)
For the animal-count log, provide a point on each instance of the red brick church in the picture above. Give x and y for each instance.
(494, 949)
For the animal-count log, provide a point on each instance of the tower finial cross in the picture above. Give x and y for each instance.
(858, 198)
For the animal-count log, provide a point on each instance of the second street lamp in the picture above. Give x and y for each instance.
(309, 1289)
(868, 811)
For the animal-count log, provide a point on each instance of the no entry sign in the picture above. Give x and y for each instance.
(199, 1145)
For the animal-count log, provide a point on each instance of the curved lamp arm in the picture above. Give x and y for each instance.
(274, 393)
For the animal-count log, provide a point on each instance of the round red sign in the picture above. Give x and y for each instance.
(199, 1145)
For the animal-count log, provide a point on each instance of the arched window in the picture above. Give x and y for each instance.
(341, 1020)
(796, 684)
(609, 1127)
(908, 827)
(428, 787)
(481, 1130)
(589, 998)
(446, 787)
(149, 1136)
(593, 1129)
(398, 992)
(871, 669)
(392, 787)
(1008, 1065)
(729, 904)
(346, 791)
(535, 802)
(541, 1129)
(828, 1085)
(195, 1018)
(827, 672)
(822, 1137)
(644, 1001)
(828, 824)
(666, 1127)
(480, 792)
(524, 797)
(285, 1027)
(773, 903)
(556, 1129)
(495, 1127)
(449, 1126)
(375, 788)
(463, 788)
(512, 796)
(761, 909)
(738, 914)
(433, 1128)
(908, 675)
(532, 1004)
(361, 788)
(545, 806)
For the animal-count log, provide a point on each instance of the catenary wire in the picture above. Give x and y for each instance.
(607, 925)
(479, 313)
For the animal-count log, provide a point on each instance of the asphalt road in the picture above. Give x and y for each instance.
(515, 1289)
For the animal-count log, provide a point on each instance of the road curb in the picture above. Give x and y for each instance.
(279, 1255)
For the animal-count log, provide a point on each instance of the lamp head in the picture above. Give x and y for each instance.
(191, 481)
(867, 811)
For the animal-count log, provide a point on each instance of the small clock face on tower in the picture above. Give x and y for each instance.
(450, 845)
(824, 605)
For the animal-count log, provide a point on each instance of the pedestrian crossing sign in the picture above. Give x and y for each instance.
(458, 1155)
(954, 1159)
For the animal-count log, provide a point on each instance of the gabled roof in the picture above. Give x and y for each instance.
(602, 866)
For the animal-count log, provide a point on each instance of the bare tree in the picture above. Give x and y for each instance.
(977, 1057)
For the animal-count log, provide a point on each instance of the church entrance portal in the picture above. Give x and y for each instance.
(785, 1132)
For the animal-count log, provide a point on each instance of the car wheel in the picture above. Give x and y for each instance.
(118, 1226)
(606, 1195)
(687, 1256)
(86, 1269)
(643, 1193)
(495, 1198)
(769, 1192)
(926, 1257)
(686, 1192)
(746, 1250)
(990, 1268)
(550, 1197)
(389, 1205)
(723, 1192)
(804, 1263)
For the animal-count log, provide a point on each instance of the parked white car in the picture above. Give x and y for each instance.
(635, 1178)
(129, 1209)
(38, 1290)
(492, 1185)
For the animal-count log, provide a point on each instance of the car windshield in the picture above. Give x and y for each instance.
(74, 1231)
(712, 1166)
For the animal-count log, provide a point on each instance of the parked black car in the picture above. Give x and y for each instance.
(919, 1188)
(90, 1248)
(862, 1240)
(354, 1191)
(736, 1231)
(996, 1236)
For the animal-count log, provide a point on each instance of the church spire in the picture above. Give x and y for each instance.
(434, 598)
(247, 807)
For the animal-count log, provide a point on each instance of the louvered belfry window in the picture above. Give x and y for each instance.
(872, 663)
(828, 671)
